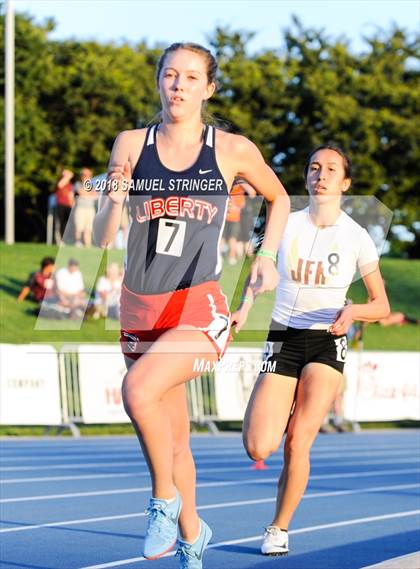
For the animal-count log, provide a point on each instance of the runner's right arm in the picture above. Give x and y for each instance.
(111, 202)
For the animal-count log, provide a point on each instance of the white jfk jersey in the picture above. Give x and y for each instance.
(316, 267)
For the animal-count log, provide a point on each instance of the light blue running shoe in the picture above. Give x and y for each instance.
(191, 554)
(162, 528)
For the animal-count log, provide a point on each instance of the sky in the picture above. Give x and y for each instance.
(166, 21)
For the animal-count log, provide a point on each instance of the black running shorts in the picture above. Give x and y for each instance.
(288, 350)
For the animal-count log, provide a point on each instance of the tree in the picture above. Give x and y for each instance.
(73, 97)
(316, 90)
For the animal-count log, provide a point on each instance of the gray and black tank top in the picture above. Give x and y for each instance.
(177, 220)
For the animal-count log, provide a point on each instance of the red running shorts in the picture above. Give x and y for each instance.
(145, 317)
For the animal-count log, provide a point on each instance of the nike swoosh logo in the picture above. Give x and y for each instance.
(204, 171)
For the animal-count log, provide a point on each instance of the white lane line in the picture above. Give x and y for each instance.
(135, 453)
(343, 449)
(308, 529)
(73, 522)
(137, 464)
(80, 477)
(140, 462)
(338, 442)
(219, 505)
(365, 473)
(207, 485)
(273, 464)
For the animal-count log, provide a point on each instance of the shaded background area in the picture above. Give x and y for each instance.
(73, 96)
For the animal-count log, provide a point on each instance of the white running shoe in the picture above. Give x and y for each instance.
(275, 541)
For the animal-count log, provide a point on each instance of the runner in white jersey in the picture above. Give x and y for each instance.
(321, 250)
(172, 307)
(316, 267)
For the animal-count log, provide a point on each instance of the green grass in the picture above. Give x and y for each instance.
(127, 430)
(18, 320)
(85, 430)
(403, 284)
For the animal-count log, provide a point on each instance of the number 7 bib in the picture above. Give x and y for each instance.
(170, 238)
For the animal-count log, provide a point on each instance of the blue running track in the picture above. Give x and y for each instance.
(73, 504)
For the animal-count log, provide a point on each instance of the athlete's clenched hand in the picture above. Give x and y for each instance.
(118, 182)
(264, 276)
(343, 321)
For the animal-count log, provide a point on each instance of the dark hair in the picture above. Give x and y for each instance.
(47, 261)
(340, 151)
(196, 48)
(73, 262)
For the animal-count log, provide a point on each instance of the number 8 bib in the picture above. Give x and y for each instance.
(341, 348)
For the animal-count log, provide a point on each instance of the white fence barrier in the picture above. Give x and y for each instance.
(29, 385)
(234, 378)
(380, 386)
(91, 377)
(101, 371)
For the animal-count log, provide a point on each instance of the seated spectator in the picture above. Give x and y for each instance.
(70, 289)
(398, 319)
(108, 292)
(40, 284)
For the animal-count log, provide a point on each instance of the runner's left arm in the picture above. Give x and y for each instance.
(376, 308)
(253, 168)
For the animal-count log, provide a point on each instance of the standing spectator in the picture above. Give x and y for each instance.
(70, 288)
(233, 218)
(85, 208)
(246, 229)
(120, 241)
(40, 284)
(64, 199)
(108, 292)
